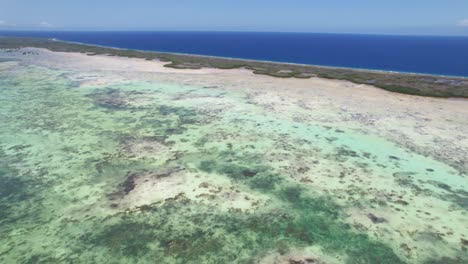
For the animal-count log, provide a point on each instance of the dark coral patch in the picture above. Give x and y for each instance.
(127, 237)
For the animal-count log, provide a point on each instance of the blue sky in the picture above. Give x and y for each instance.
(428, 17)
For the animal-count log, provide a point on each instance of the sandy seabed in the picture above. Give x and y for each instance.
(114, 160)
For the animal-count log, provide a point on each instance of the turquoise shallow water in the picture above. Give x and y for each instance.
(156, 172)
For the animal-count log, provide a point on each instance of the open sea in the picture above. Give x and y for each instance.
(417, 54)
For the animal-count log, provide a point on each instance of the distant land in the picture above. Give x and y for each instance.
(407, 83)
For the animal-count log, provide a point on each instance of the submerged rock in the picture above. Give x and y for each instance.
(375, 219)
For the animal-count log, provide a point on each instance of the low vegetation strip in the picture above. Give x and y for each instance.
(406, 83)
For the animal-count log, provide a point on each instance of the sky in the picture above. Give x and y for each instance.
(413, 17)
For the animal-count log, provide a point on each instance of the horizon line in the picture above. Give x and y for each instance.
(227, 31)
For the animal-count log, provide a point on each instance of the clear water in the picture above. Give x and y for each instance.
(153, 171)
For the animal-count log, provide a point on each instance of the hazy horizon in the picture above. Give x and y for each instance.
(231, 31)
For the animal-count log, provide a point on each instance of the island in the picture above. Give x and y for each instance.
(415, 84)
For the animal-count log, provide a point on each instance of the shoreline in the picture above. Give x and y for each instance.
(405, 83)
(273, 62)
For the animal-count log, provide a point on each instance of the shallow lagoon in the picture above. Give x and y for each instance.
(110, 167)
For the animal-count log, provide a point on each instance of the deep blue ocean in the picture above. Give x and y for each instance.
(417, 54)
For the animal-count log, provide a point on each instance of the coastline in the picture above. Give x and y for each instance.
(270, 61)
(406, 83)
